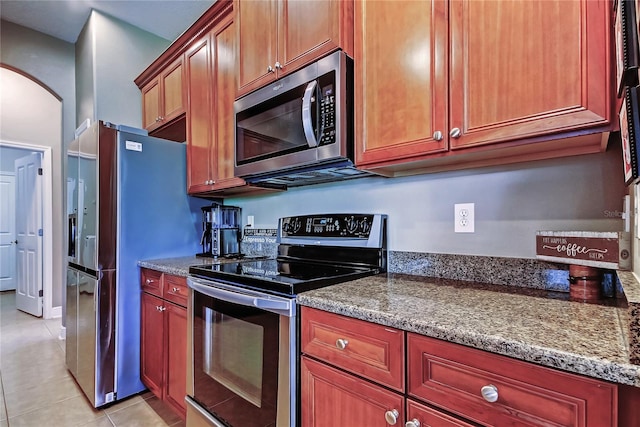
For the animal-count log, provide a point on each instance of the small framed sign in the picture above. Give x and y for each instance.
(627, 50)
(629, 128)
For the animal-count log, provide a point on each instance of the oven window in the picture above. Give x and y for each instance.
(233, 354)
(236, 356)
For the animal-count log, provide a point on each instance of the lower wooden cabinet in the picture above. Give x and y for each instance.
(164, 340)
(447, 384)
(333, 398)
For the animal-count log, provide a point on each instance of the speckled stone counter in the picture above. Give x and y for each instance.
(178, 266)
(533, 325)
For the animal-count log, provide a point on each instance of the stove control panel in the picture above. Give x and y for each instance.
(328, 226)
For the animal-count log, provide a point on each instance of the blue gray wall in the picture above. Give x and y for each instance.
(110, 54)
(511, 204)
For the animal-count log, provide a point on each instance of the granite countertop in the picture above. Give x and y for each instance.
(178, 266)
(532, 325)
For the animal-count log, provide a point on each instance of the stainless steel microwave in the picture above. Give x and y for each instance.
(299, 129)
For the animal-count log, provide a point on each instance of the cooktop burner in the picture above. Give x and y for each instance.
(313, 251)
(280, 276)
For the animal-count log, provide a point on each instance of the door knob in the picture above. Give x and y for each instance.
(437, 135)
(278, 66)
(391, 416)
(15, 241)
(489, 393)
(455, 133)
(270, 69)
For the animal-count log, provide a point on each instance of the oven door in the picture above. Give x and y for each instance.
(242, 353)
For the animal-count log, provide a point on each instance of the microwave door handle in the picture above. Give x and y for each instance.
(307, 123)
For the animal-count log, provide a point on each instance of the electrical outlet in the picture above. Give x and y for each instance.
(464, 217)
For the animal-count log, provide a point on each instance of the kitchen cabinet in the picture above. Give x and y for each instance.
(276, 37)
(495, 390)
(349, 369)
(465, 83)
(210, 68)
(163, 335)
(163, 97)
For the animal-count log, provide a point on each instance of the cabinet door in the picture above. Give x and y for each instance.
(309, 29)
(151, 105)
(426, 416)
(526, 68)
(257, 29)
(176, 361)
(334, 398)
(223, 44)
(152, 343)
(172, 92)
(199, 126)
(400, 61)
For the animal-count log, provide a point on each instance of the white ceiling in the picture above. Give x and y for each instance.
(64, 19)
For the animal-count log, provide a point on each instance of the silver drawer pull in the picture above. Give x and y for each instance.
(176, 290)
(391, 417)
(490, 393)
(148, 281)
(341, 343)
(413, 423)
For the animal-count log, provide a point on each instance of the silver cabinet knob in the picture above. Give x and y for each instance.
(176, 289)
(391, 417)
(278, 66)
(413, 423)
(270, 69)
(455, 133)
(148, 281)
(341, 343)
(437, 135)
(158, 308)
(162, 308)
(490, 393)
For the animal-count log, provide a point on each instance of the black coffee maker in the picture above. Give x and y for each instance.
(221, 231)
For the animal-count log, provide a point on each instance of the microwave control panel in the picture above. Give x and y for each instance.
(327, 110)
(334, 225)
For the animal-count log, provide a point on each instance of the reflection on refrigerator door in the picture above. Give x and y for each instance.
(86, 334)
(71, 352)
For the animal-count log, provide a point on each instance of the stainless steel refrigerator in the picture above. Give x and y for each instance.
(126, 201)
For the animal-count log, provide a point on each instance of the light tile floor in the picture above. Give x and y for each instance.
(37, 390)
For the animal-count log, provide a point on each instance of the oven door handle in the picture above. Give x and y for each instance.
(280, 306)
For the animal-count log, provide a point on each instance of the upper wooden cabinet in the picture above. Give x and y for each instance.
(163, 97)
(276, 37)
(211, 83)
(441, 82)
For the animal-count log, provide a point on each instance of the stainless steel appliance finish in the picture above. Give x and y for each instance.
(299, 129)
(221, 231)
(114, 217)
(252, 379)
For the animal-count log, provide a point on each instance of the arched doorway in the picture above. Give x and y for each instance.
(31, 116)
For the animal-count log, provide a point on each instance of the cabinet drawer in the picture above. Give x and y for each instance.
(426, 416)
(175, 289)
(151, 281)
(452, 377)
(372, 351)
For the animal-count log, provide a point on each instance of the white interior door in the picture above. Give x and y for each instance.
(29, 234)
(7, 231)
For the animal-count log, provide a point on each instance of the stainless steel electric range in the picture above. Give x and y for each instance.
(243, 333)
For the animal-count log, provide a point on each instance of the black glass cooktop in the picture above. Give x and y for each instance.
(280, 276)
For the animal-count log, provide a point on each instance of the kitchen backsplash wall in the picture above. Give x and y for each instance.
(511, 203)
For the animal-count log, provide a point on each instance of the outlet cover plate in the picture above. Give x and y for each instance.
(464, 217)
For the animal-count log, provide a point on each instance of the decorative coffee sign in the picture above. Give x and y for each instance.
(610, 250)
